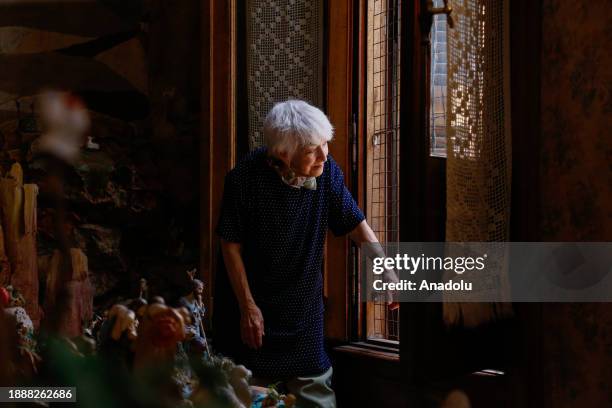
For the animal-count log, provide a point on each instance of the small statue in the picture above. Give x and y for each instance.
(26, 358)
(66, 121)
(159, 333)
(5, 297)
(138, 306)
(143, 289)
(124, 321)
(158, 300)
(231, 389)
(117, 336)
(196, 343)
(271, 398)
(238, 377)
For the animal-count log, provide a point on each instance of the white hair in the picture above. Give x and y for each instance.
(292, 124)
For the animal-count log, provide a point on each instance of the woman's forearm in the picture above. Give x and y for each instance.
(251, 319)
(237, 273)
(363, 233)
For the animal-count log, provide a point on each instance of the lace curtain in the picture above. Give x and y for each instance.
(284, 56)
(479, 152)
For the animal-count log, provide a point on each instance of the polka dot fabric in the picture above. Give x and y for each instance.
(282, 231)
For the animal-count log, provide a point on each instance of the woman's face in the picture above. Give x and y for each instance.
(308, 161)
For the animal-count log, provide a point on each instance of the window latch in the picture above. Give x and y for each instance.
(441, 10)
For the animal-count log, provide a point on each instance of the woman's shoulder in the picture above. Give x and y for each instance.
(333, 169)
(258, 154)
(249, 164)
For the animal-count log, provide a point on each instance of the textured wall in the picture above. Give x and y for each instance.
(576, 119)
(576, 184)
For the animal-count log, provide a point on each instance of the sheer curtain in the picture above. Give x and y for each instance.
(479, 161)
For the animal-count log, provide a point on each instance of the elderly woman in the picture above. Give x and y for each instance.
(277, 206)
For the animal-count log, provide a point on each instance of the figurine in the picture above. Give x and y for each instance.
(159, 333)
(144, 289)
(66, 122)
(145, 338)
(124, 320)
(231, 389)
(117, 336)
(238, 377)
(5, 297)
(196, 343)
(158, 300)
(271, 398)
(26, 359)
(139, 306)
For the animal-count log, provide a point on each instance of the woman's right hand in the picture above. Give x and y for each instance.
(252, 326)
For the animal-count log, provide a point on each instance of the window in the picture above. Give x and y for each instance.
(383, 134)
(438, 81)
(405, 179)
(383, 124)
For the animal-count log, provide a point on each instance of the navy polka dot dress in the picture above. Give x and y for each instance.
(282, 231)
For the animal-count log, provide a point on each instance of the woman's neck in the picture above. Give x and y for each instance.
(289, 175)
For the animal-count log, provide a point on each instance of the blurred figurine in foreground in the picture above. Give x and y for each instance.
(196, 344)
(19, 336)
(65, 123)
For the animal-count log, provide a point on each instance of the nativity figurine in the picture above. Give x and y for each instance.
(196, 343)
(20, 334)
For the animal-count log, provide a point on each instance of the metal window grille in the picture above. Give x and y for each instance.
(438, 81)
(384, 23)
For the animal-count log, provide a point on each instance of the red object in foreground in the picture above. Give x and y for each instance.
(4, 298)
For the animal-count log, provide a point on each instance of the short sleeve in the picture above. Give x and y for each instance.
(344, 214)
(231, 219)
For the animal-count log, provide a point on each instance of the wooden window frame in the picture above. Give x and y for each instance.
(218, 144)
(416, 167)
(345, 319)
(345, 100)
(338, 100)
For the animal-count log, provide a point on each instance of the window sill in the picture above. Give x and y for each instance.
(369, 351)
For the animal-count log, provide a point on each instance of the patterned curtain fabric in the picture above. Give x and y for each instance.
(284, 56)
(479, 162)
